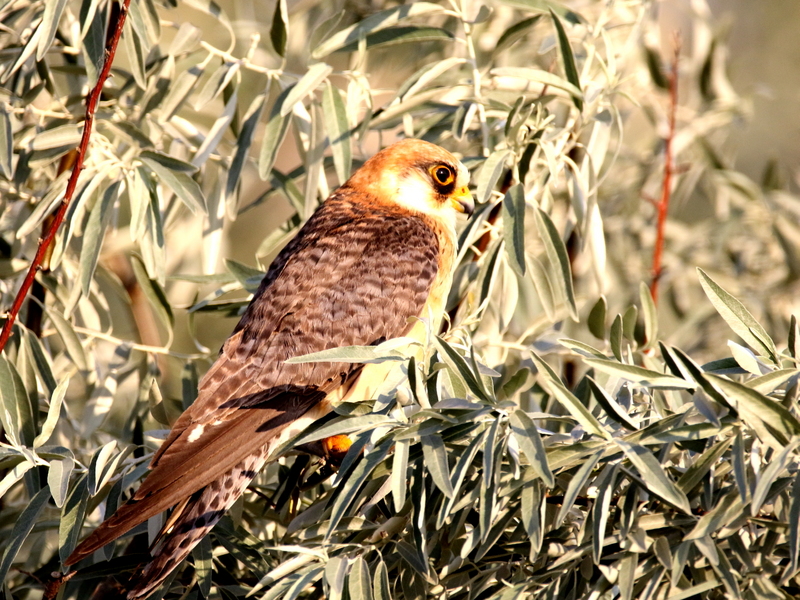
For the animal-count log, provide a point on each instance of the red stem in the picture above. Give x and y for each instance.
(663, 203)
(58, 216)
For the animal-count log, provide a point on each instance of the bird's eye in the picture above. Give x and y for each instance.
(442, 174)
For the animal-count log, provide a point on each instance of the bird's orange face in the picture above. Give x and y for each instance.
(418, 176)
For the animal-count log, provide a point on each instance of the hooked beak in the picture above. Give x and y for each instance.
(462, 201)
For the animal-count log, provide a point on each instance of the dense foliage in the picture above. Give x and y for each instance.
(566, 437)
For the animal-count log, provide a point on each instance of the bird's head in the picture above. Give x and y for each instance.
(418, 176)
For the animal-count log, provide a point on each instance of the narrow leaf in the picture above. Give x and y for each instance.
(514, 227)
(531, 444)
(570, 68)
(315, 75)
(435, 455)
(335, 114)
(738, 317)
(22, 527)
(653, 475)
(559, 259)
(279, 32)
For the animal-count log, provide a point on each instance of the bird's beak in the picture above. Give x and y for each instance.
(463, 202)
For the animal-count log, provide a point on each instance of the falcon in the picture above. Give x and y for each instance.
(375, 259)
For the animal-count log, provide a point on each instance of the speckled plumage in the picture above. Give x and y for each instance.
(357, 273)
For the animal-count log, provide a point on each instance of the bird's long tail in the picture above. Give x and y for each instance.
(190, 522)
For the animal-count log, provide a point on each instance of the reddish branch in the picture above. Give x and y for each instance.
(663, 204)
(58, 217)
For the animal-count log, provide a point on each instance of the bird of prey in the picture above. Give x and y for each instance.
(376, 257)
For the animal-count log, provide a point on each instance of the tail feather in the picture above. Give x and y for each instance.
(197, 517)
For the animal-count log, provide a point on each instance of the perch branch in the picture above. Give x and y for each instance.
(662, 205)
(58, 217)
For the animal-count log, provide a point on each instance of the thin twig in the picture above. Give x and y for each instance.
(83, 147)
(666, 188)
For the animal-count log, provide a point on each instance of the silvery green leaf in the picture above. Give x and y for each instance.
(544, 289)
(136, 54)
(767, 477)
(515, 33)
(531, 444)
(400, 473)
(178, 180)
(342, 426)
(606, 482)
(94, 38)
(514, 227)
(490, 453)
(794, 524)
(359, 582)
(381, 588)
(349, 488)
(72, 514)
(22, 528)
(180, 89)
(459, 473)
(559, 259)
(274, 134)
(545, 78)
(71, 341)
(279, 32)
(217, 130)
(27, 51)
(53, 414)
(392, 36)
(570, 68)
(738, 317)
(41, 362)
(248, 276)
(532, 513)
(653, 475)
(577, 483)
(650, 315)
(426, 74)
(316, 74)
(702, 465)
(58, 476)
(723, 512)
(629, 322)
(611, 406)
(582, 348)
(303, 581)
(94, 234)
(772, 423)
(435, 454)
(335, 576)
(490, 173)
(640, 375)
(615, 337)
(187, 37)
(335, 114)
(216, 83)
(568, 400)
(63, 136)
(372, 23)
(202, 556)
(6, 142)
(50, 20)
(155, 295)
(459, 366)
(248, 129)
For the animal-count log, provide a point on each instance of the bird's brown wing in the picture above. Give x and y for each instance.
(354, 275)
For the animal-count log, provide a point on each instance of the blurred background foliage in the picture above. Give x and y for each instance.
(566, 437)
